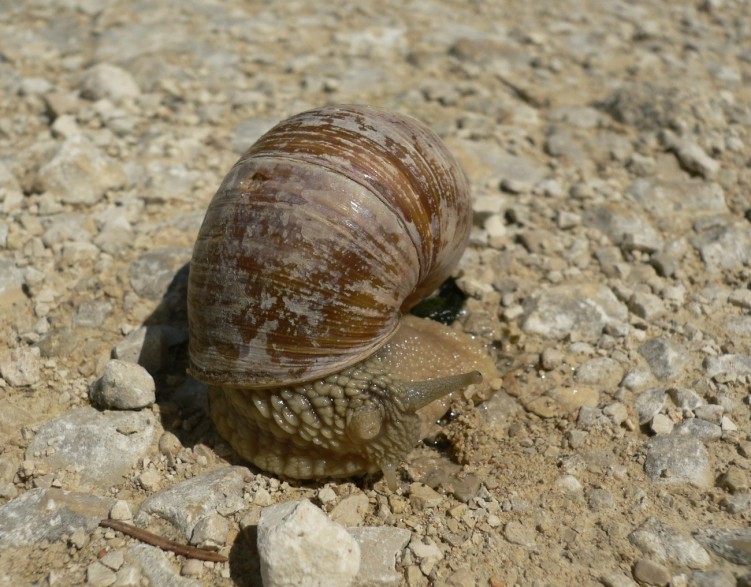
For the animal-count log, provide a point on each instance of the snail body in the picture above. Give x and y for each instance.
(319, 240)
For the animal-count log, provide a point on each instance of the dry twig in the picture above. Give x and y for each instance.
(163, 543)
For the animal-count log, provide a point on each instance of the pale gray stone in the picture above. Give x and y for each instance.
(691, 156)
(518, 533)
(661, 424)
(350, 511)
(115, 236)
(80, 173)
(727, 246)
(123, 386)
(299, 546)
(114, 559)
(617, 580)
(63, 228)
(602, 371)
(727, 366)
(714, 578)
(741, 298)
(11, 281)
(678, 458)
(210, 532)
(186, 503)
(121, 511)
(3, 239)
(579, 312)
(44, 515)
(427, 553)
(101, 446)
(700, 429)
(686, 399)
(21, 367)
(92, 313)
(648, 404)
(731, 544)
(646, 305)
(649, 572)
(98, 575)
(625, 227)
(154, 566)
(104, 80)
(663, 544)
(710, 412)
(738, 503)
(666, 358)
(379, 548)
(600, 500)
(514, 172)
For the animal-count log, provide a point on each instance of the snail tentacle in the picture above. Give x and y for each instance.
(420, 393)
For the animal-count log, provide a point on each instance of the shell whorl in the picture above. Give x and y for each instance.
(324, 232)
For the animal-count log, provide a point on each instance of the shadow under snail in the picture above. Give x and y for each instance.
(318, 242)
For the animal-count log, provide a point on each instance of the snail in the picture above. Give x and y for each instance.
(318, 242)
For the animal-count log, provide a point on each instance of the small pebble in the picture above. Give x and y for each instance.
(734, 480)
(661, 424)
(651, 573)
(121, 511)
(98, 575)
(150, 480)
(551, 358)
(326, 494)
(677, 459)
(210, 532)
(648, 404)
(423, 497)
(667, 359)
(517, 533)
(124, 386)
(192, 568)
(113, 559)
(350, 511)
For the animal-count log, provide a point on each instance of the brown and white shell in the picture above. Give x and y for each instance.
(322, 235)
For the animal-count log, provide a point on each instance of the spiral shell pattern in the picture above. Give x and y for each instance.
(327, 229)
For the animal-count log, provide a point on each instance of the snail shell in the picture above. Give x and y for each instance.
(324, 233)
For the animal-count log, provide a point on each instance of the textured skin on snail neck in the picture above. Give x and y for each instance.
(311, 431)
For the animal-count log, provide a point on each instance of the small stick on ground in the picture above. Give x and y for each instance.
(163, 543)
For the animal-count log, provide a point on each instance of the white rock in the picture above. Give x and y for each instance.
(210, 532)
(380, 548)
(569, 483)
(299, 546)
(662, 424)
(728, 425)
(427, 554)
(121, 511)
(108, 81)
(185, 504)
(495, 225)
(80, 173)
(100, 446)
(124, 386)
(21, 366)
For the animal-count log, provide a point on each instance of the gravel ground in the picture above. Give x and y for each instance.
(609, 267)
